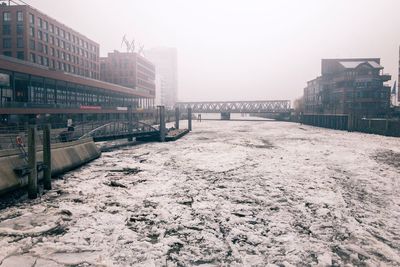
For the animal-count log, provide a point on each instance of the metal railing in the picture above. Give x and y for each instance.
(61, 133)
(14, 136)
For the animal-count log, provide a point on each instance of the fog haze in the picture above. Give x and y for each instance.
(241, 50)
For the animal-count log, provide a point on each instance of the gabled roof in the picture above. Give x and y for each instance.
(356, 64)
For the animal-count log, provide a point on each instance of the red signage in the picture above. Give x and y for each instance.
(91, 107)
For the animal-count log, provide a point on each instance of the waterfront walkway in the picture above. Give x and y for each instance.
(228, 193)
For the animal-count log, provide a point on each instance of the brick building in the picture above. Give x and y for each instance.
(349, 86)
(130, 70)
(31, 35)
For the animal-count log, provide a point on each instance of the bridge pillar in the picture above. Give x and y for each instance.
(162, 123)
(225, 116)
(189, 119)
(176, 118)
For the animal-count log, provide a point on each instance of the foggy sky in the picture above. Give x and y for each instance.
(242, 49)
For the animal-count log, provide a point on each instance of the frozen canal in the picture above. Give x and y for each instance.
(229, 193)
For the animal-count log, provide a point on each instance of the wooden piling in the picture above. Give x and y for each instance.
(162, 123)
(32, 163)
(386, 126)
(176, 118)
(189, 119)
(47, 157)
(130, 123)
(350, 122)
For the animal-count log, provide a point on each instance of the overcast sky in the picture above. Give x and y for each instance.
(242, 49)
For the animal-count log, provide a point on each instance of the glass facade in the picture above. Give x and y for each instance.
(46, 92)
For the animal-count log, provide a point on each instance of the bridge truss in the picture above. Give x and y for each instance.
(269, 106)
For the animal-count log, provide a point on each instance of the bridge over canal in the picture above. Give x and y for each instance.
(228, 107)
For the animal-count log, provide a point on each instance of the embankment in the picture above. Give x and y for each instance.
(65, 157)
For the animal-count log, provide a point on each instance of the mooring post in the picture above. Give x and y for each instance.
(189, 118)
(177, 118)
(162, 123)
(386, 126)
(47, 157)
(32, 165)
(157, 117)
(130, 123)
(369, 126)
(350, 122)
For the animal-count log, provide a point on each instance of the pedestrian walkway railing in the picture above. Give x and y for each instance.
(15, 136)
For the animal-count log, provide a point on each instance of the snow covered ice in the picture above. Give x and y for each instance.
(227, 194)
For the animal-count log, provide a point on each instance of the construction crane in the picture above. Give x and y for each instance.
(130, 46)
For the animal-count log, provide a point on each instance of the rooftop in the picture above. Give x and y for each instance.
(356, 64)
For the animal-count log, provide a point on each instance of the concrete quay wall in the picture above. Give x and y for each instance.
(65, 157)
(381, 126)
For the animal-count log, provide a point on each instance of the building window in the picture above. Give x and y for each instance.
(7, 53)
(6, 16)
(31, 18)
(46, 61)
(32, 32)
(32, 44)
(20, 42)
(51, 39)
(20, 55)
(40, 35)
(46, 37)
(20, 29)
(46, 25)
(40, 23)
(58, 31)
(32, 57)
(6, 29)
(51, 28)
(40, 47)
(52, 51)
(20, 16)
(7, 43)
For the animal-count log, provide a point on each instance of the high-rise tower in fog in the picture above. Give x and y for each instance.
(165, 60)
